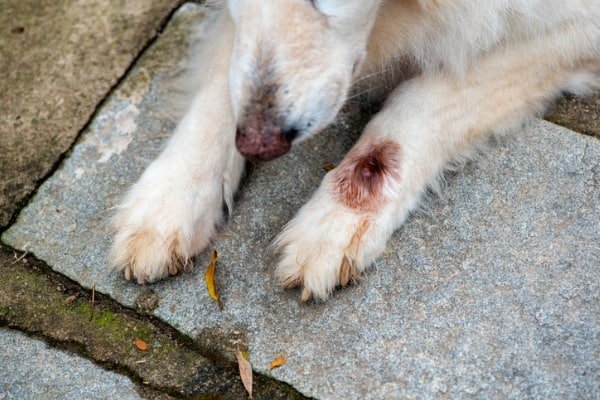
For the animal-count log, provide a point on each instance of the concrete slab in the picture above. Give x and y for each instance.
(32, 370)
(58, 60)
(494, 292)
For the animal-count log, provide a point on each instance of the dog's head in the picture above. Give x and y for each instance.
(292, 66)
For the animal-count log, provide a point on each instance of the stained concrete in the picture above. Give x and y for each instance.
(493, 292)
(59, 58)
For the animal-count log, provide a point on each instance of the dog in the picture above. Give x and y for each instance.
(277, 72)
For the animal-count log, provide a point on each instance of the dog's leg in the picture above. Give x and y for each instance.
(425, 124)
(172, 212)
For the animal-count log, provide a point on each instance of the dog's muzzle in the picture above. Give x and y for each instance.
(263, 138)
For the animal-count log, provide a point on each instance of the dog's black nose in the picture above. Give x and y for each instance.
(263, 138)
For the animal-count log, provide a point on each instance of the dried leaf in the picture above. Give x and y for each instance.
(328, 166)
(93, 302)
(305, 295)
(70, 299)
(278, 362)
(140, 344)
(245, 369)
(209, 278)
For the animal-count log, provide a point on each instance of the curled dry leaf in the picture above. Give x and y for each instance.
(328, 166)
(140, 344)
(93, 302)
(278, 362)
(70, 299)
(245, 369)
(209, 278)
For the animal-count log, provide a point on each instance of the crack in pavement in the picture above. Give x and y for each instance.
(46, 305)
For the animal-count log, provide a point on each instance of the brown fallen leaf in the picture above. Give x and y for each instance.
(245, 369)
(328, 166)
(70, 299)
(278, 362)
(140, 344)
(209, 278)
(93, 302)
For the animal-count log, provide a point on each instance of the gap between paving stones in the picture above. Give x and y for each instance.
(45, 304)
(579, 114)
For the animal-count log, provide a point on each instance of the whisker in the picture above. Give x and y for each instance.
(372, 74)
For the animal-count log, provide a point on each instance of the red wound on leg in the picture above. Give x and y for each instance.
(360, 178)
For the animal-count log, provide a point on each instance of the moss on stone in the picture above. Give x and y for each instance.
(62, 312)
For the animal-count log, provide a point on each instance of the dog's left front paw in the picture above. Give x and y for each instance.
(325, 246)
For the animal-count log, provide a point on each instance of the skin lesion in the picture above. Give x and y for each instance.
(359, 180)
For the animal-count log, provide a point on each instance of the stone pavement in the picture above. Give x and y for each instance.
(59, 59)
(492, 292)
(57, 375)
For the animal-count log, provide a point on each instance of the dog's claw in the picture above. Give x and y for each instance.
(347, 272)
(127, 273)
(306, 295)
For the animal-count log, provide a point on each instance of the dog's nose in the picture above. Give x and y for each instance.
(263, 138)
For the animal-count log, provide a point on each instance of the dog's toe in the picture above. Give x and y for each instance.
(144, 255)
(348, 272)
(325, 247)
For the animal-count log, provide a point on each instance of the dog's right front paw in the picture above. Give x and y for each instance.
(147, 255)
(161, 225)
(154, 242)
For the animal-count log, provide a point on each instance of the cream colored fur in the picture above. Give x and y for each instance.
(478, 67)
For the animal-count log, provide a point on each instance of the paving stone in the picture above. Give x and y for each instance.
(32, 370)
(58, 60)
(493, 292)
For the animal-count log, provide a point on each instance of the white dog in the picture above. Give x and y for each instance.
(278, 71)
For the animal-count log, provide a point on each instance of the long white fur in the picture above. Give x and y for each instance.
(483, 67)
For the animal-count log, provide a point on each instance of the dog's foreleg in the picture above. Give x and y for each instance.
(426, 124)
(172, 212)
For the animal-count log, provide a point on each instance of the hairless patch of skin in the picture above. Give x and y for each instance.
(359, 180)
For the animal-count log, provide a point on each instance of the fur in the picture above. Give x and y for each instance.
(277, 72)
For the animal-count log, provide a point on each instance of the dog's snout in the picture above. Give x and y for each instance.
(263, 138)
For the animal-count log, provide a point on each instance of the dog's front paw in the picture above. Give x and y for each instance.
(161, 224)
(327, 245)
(147, 253)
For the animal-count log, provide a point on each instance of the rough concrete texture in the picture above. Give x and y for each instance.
(491, 293)
(32, 370)
(58, 60)
(581, 114)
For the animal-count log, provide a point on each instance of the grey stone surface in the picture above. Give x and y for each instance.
(493, 292)
(31, 370)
